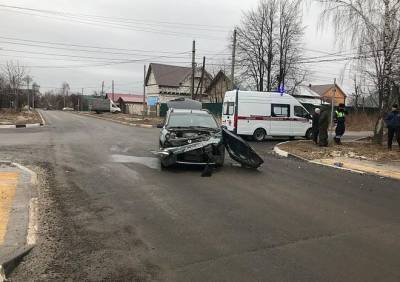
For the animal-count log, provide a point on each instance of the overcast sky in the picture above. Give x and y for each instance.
(147, 31)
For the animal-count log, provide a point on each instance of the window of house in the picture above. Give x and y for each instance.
(280, 110)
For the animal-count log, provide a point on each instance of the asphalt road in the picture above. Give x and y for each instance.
(107, 212)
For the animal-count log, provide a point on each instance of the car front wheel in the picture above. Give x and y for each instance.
(259, 135)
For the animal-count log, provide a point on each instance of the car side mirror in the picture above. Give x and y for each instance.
(160, 125)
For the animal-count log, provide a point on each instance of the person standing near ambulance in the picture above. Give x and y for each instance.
(340, 120)
(315, 125)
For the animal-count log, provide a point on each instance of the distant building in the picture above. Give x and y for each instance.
(131, 104)
(217, 88)
(167, 82)
(306, 95)
(115, 97)
(329, 92)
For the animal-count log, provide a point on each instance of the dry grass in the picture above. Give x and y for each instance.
(9, 117)
(361, 122)
(356, 150)
(133, 119)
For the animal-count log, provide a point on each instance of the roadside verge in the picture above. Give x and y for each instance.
(26, 125)
(18, 215)
(117, 121)
(349, 162)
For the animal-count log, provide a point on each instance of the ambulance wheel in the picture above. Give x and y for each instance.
(259, 135)
(309, 134)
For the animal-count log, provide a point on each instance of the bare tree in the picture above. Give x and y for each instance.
(268, 42)
(14, 74)
(371, 27)
(35, 91)
(65, 91)
(254, 44)
(28, 79)
(290, 34)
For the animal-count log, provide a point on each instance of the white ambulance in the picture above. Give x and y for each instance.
(261, 114)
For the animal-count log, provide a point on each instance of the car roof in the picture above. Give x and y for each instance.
(185, 111)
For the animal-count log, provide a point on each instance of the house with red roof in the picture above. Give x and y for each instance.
(129, 103)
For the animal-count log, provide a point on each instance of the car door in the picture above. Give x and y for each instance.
(300, 121)
(280, 120)
(240, 150)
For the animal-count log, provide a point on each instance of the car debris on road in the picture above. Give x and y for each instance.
(191, 135)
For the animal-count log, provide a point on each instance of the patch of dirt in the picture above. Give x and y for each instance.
(10, 117)
(356, 150)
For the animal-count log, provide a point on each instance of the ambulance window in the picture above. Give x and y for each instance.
(300, 111)
(280, 110)
(229, 108)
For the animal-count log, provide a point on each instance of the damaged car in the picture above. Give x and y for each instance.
(193, 136)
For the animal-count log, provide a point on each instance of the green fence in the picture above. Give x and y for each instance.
(214, 108)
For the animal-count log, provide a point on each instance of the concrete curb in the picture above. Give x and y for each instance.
(43, 120)
(285, 154)
(9, 262)
(120, 122)
(28, 125)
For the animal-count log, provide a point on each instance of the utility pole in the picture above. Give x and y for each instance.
(200, 85)
(144, 89)
(332, 108)
(113, 90)
(193, 68)
(28, 82)
(233, 60)
(102, 89)
(33, 96)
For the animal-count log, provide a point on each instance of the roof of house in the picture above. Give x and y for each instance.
(303, 91)
(131, 98)
(219, 75)
(168, 75)
(116, 97)
(322, 89)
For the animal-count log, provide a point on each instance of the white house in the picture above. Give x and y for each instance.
(167, 82)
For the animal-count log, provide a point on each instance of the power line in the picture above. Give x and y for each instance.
(96, 47)
(80, 50)
(120, 19)
(86, 20)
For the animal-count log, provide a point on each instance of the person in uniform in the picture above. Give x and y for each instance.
(340, 120)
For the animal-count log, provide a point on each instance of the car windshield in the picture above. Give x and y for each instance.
(191, 120)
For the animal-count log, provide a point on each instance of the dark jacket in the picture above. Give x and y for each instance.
(315, 122)
(324, 120)
(392, 120)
